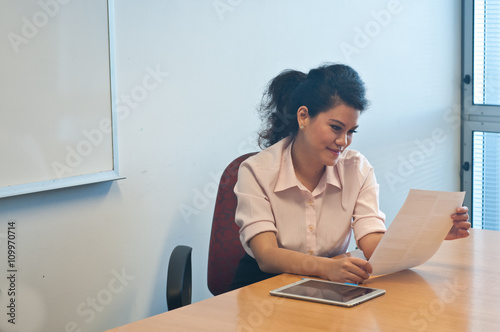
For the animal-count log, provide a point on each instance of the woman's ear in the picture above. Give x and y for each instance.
(302, 116)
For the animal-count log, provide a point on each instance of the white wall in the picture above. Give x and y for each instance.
(95, 257)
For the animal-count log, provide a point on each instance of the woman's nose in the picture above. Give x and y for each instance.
(341, 140)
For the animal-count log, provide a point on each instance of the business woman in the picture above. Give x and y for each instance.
(299, 198)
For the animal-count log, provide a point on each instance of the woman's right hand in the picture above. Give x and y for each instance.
(271, 259)
(348, 269)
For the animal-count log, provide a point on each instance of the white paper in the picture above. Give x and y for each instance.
(418, 230)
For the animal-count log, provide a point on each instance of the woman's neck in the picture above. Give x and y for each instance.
(307, 171)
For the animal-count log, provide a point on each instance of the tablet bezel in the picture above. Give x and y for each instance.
(351, 303)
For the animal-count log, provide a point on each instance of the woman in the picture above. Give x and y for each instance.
(300, 197)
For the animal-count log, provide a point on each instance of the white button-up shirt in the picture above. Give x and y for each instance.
(272, 199)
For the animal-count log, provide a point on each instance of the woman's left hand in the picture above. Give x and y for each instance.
(461, 224)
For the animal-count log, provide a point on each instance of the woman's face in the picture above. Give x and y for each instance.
(328, 134)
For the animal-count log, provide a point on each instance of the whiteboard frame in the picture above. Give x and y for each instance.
(27, 188)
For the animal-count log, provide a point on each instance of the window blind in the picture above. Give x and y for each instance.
(486, 71)
(486, 180)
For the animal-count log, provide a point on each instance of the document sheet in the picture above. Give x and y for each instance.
(417, 231)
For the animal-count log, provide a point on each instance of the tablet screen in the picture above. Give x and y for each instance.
(328, 292)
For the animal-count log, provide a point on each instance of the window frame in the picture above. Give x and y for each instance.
(474, 117)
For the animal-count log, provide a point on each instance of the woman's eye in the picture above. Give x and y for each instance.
(338, 128)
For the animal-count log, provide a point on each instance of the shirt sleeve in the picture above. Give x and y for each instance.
(367, 218)
(253, 213)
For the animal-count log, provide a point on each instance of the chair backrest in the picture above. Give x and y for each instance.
(225, 249)
(179, 278)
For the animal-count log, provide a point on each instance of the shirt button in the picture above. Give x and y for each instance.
(310, 252)
(311, 228)
(310, 202)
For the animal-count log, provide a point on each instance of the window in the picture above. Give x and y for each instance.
(486, 180)
(486, 52)
(481, 111)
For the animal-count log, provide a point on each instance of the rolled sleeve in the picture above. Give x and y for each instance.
(253, 213)
(367, 218)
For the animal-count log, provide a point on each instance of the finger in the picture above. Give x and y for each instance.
(460, 234)
(463, 233)
(363, 265)
(462, 209)
(354, 278)
(360, 267)
(465, 225)
(460, 216)
(367, 267)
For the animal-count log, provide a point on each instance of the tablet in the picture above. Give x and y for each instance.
(345, 295)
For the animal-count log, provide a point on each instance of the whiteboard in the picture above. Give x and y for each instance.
(56, 88)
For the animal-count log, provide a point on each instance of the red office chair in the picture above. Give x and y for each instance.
(225, 249)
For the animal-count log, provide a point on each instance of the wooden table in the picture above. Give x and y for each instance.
(456, 290)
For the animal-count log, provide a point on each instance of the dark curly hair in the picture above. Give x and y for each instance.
(320, 90)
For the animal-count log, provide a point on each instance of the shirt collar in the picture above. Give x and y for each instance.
(287, 178)
(286, 174)
(333, 174)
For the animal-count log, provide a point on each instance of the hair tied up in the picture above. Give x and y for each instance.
(321, 89)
